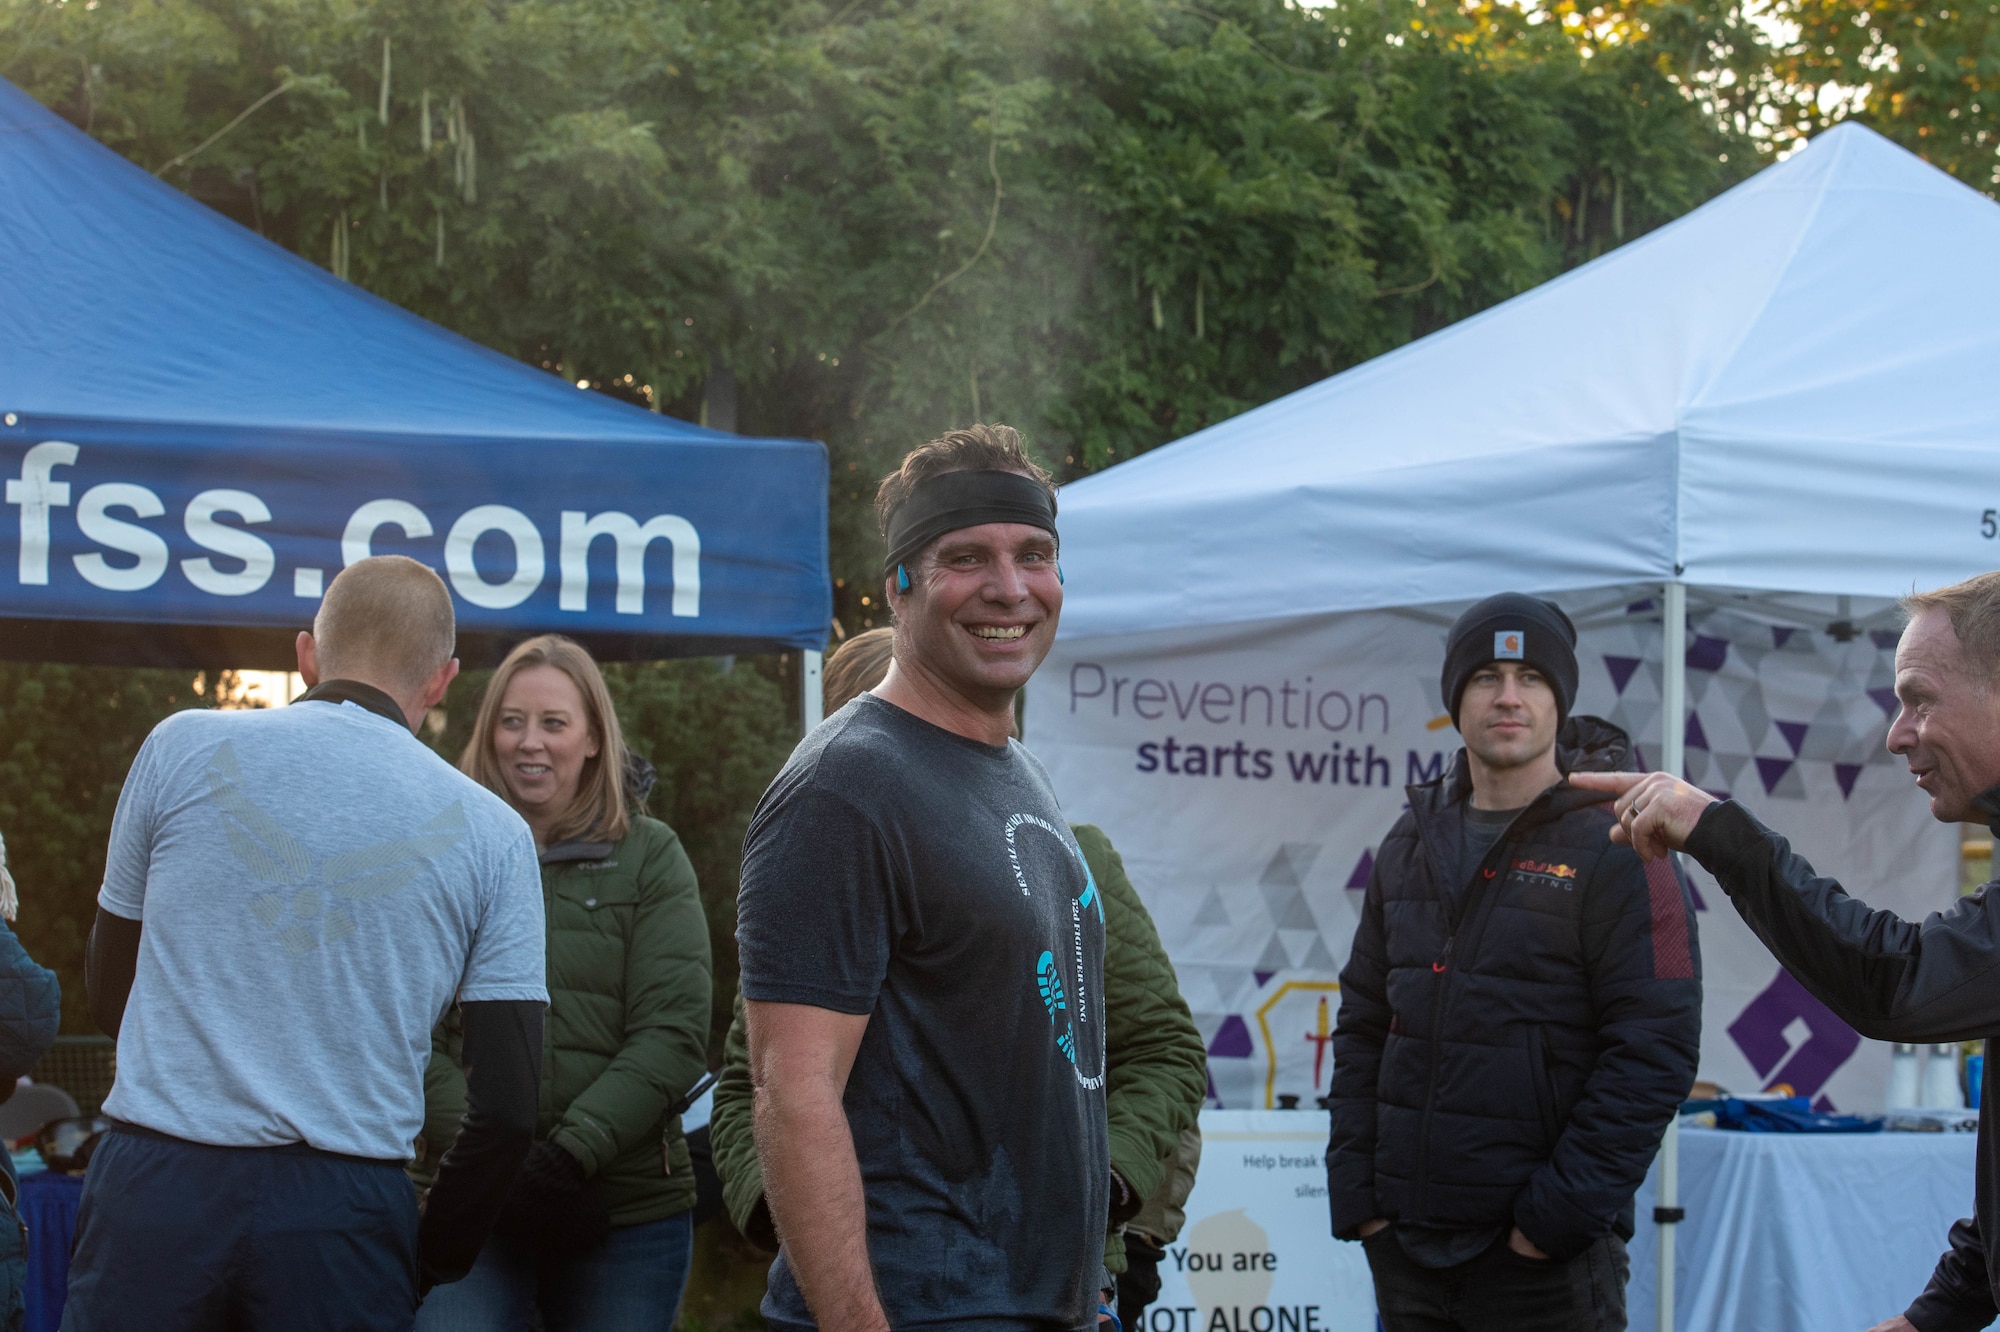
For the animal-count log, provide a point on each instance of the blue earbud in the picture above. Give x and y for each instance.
(903, 578)
(1059, 577)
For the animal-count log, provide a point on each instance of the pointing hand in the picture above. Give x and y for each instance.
(1656, 812)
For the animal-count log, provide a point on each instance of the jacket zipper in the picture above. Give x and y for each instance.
(1442, 968)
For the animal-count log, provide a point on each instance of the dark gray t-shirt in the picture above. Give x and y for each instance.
(1477, 832)
(899, 870)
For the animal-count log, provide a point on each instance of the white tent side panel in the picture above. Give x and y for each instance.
(1247, 779)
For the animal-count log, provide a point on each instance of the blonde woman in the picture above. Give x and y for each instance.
(597, 1232)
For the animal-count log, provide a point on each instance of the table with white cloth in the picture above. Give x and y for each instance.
(1813, 1232)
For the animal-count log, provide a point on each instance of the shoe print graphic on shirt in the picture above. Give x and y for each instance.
(1049, 981)
(297, 904)
(1071, 1018)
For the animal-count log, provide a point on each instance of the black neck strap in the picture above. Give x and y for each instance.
(360, 695)
(941, 504)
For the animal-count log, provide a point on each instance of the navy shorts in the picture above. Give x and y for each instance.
(174, 1236)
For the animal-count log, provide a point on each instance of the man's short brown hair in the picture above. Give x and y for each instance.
(388, 618)
(975, 448)
(1973, 607)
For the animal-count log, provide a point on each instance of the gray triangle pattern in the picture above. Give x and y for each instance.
(1318, 958)
(1274, 957)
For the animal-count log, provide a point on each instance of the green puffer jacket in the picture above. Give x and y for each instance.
(1156, 1069)
(627, 1028)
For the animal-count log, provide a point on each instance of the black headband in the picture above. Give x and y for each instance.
(945, 503)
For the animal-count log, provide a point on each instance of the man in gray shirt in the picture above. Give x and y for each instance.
(291, 900)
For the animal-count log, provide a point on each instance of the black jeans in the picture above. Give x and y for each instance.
(1500, 1291)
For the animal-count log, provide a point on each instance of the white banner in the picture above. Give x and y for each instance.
(1256, 1254)
(1247, 777)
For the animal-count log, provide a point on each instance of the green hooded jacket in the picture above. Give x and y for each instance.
(627, 1027)
(1156, 1069)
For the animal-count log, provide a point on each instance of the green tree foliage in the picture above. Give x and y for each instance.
(67, 736)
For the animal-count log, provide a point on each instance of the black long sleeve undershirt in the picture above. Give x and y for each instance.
(109, 963)
(502, 1056)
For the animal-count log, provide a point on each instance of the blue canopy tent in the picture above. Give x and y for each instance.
(199, 429)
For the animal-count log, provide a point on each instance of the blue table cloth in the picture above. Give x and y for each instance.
(48, 1208)
(1802, 1232)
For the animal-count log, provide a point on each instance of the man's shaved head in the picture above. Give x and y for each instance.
(386, 619)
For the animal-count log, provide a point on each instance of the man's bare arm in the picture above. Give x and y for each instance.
(800, 1057)
(110, 961)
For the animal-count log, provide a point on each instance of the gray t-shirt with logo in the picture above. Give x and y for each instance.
(898, 870)
(316, 886)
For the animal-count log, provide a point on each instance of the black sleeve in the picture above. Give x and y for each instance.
(1958, 1298)
(1888, 978)
(502, 1056)
(110, 962)
(1358, 1038)
(1645, 986)
(814, 910)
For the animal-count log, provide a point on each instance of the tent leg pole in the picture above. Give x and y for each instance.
(812, 695)
(1673, 759)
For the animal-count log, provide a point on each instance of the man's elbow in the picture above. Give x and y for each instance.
(107, 1011)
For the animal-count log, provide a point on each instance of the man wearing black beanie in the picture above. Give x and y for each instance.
(1520, 1015)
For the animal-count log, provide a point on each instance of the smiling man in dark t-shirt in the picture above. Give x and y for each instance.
(922, 950)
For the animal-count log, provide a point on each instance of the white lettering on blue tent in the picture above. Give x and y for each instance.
(355, 542)
(578, 531)
(528, 562)
(132, 557)
(231, 542)
(149, 548)
(36, 494)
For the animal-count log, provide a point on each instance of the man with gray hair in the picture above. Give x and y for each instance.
(1891, 979)
(292, 899)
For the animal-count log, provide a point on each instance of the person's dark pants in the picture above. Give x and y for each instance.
(174, 1236)
(1139, 1283)
(1500, 1291)
(633, 1282)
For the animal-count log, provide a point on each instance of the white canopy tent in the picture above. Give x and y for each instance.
(1793, 387)
(1785, 402)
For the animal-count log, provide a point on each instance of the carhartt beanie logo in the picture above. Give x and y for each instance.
(1512, 627)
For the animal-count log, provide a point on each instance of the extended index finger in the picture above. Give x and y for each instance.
(1611, 783)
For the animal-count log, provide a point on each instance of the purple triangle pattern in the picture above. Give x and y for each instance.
(1794, 733)
(1707, 654)
(1622, 669)
(1780, 635)
(1885, 699)
(1845, 773)
(1773, 771)
(1696, 737)
(1639, 607)
(1232, 1039)
(1886, 639)
(1261, 976)
(1362, 869)
(1824, 1105)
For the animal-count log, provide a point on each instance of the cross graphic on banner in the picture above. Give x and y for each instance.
(1320, 1040)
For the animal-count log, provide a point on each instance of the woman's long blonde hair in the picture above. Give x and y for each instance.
(599, 812)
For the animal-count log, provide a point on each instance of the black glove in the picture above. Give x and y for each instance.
(552, 1208)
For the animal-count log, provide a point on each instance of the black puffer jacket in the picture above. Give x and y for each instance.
(1512, 1053)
